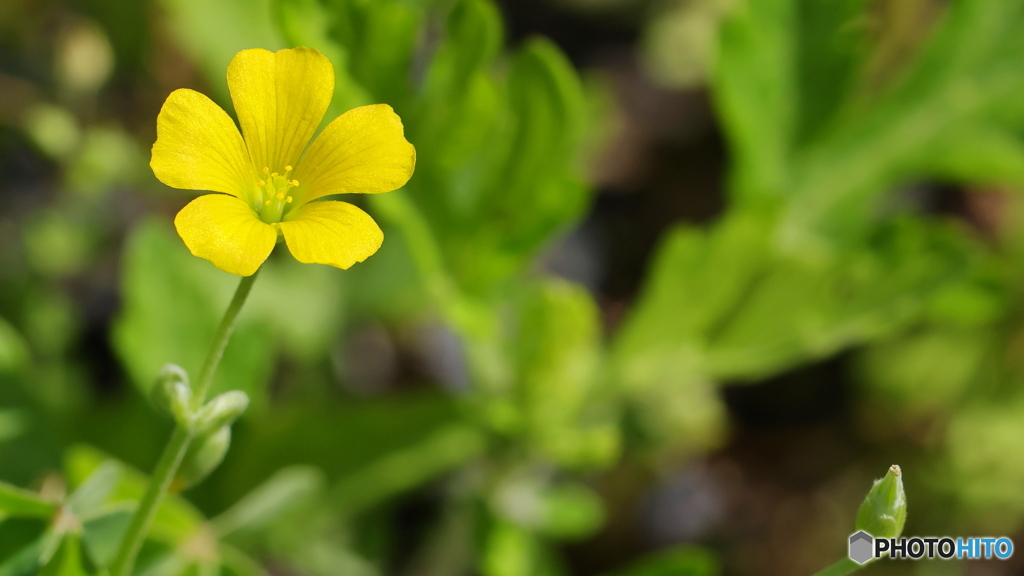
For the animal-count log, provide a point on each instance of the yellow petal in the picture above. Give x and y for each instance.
(335, 233)
(280, 98)
(225, 231)
(198, 146)
(363, 151)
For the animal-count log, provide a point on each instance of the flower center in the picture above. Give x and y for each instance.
(274, 194)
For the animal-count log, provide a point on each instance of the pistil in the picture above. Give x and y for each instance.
(274, 189)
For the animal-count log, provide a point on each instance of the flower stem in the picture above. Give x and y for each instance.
(840, 568)
(220, 340)
(176, 447)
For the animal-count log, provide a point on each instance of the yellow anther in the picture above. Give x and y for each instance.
(273, 175)
(280, 195)
(267, 203)
(261, 183)
(295, 182)
(288, 199)
(287, 168)
(266, 170)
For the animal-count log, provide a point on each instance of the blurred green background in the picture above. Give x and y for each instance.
(673, 282)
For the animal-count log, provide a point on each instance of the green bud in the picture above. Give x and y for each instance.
(885, 508)
(203, 457)
(220, 412)
(171, 394)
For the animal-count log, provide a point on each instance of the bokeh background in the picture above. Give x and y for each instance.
(673, 282)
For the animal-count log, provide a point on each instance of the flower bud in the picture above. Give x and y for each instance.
(220, 412)
(171, 394)
(885, 508)
(202, 458)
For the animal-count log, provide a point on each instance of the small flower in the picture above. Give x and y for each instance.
(267, 187)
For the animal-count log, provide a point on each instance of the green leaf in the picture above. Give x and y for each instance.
(175, 520)
(14, 352)
(29, 560)
(407, 468)
(571, 512)
(695, 285)
(558, 360)
(17, 502)
(676, 561)
(288, 489)
(380, 37)
(509, 551)
(91, 494)
(756, 94)
(102, 534)
(67, 560)
(475, 37)
(541, 189)
(237, 563)
(13, 423)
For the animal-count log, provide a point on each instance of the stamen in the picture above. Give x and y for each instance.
(261, 183)
(280, 195)
(288, 199)
(287, 168)
(273, 175)
(295, 182)
(266, 170)
(267, 203)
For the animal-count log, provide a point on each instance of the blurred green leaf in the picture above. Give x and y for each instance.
(29, 560)
(509, 551)
(475, 37)
(407, 468)
(288, 489)
(14, 352)
(17, 502)
(90, 495)
(13, 422)
(380, 38)
(558, 359)
(67, 560)
(676, 561)
(175, 520)
(102, 534)
(926, 369)
(756, 95)
(572, 512)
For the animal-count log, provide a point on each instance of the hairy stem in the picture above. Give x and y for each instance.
(176, 447)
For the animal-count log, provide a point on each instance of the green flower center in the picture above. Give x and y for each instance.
(274, 197)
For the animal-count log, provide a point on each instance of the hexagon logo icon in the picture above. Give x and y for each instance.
(861, 544)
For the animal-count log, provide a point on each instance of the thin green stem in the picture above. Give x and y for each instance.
(841, 568)
(158, 486)
(220, 340)
(176, 447)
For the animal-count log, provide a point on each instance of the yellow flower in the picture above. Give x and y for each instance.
(267, 186)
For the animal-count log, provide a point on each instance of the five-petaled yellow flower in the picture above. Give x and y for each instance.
(268, 186)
